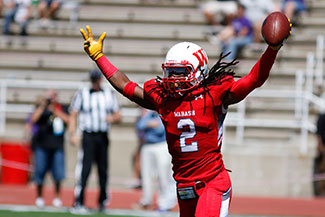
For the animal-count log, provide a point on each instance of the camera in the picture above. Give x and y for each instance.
(48, 101)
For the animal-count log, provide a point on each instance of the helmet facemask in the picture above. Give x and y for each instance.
(184, 68)
(177, 77)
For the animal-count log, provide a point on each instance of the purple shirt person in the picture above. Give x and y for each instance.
(31, 130)
(240, 23)
(242, 33)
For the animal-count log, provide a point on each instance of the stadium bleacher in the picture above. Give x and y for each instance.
(138, 37)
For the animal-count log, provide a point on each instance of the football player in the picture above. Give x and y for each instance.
(192, 102)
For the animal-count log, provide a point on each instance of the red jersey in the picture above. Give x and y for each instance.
(194, 123)
(193, 127)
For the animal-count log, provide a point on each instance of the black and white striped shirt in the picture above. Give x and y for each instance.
(93, 108)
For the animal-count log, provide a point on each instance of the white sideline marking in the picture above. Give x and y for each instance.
(25, 208)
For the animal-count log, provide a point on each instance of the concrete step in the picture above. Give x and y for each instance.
(290, 50)
(24, 92)
(133, 47)
(127, 47)
(267, 135)
(285, 79)
(132, 14)
(30, 95)
(136, 3)
(252, 135)
(22, 74)
(118, 30)
(128, 64)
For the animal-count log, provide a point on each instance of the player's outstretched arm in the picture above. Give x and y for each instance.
(275, 31)
(117, 78)
(256, 78)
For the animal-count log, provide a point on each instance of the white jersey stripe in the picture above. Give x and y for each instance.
(94, 112)
(225, 203)
(93, 107)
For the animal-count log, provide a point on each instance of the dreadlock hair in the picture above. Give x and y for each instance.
(215, 76)
(220, 70)
(217, 73)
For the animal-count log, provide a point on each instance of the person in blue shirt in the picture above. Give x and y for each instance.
(18, 11)
(293, 7)
(237, 35)
(155, 160)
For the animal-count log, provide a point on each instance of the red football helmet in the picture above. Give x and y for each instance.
(185, 67)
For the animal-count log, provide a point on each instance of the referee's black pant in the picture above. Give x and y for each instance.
(94, 149)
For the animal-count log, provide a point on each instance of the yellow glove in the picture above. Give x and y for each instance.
(93, 48)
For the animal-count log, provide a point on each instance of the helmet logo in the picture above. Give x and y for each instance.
(201, 57)
(185, 62)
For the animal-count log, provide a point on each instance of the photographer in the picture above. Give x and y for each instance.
(51, 118)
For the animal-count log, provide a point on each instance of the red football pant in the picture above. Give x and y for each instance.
(213, 201)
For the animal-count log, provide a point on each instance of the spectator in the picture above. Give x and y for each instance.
(292, 8)
(219, 11)
(50, 117)
(155, 159)
(153, 1)
(256, 11)
(47, 11)
(319, 162)
(237, 35)
(30, 129)
(19, 11)
(97, 109)
(136, 182)
(1, 7)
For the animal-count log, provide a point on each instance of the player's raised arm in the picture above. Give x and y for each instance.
(276, 29)
(117, 78)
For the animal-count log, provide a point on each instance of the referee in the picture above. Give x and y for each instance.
(95, 108)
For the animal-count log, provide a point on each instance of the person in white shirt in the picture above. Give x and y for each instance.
(256, 11)
(19, 11)
(219, 12)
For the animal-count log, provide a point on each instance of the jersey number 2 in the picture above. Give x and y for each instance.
(188, 123)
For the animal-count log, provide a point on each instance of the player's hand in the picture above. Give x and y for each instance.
(93, 48)
(281, 44)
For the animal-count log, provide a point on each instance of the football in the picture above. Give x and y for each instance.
(276, 28)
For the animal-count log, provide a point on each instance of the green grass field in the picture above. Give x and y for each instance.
(31, 211)
(7, 213)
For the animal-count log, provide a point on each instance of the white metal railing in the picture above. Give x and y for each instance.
(303, 95)
(42, 86)
(300, 122)
(302, 99)
(32, 84)
(314, 75)
(319, 59)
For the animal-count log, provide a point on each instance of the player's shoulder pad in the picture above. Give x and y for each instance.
(152, 83)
